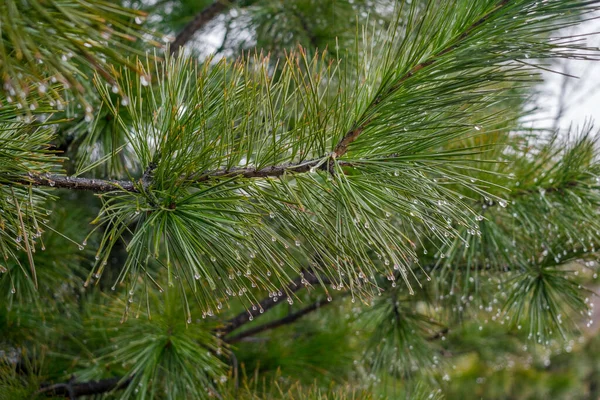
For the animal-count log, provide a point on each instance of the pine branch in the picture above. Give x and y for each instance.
(200, 20)
(74, 390)
(76, 183)
(109, 185)
(307, 278)
(354, 133)
(288, 319)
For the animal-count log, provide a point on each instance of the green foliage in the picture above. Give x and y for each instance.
(163, 354)
(398, 338)
(397, 155)
(55, 42)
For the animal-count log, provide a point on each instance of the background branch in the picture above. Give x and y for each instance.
(266, 304)
(199, 21)
(73, 390)
(288, 319)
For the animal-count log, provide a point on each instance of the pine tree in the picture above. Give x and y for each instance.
(345, 200)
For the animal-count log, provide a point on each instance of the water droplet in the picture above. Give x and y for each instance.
(81, 247)
(13, 290)
(196, 276)
(144, 80)
(297, 243)
(125, 101)
(477, 128)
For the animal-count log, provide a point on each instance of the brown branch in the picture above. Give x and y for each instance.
(308, 278)
(109, 185)
(74, 390)
(288, 319)
(75, 183)
(354, 133)
(199, 21)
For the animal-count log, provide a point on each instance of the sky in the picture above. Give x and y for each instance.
(579, 96)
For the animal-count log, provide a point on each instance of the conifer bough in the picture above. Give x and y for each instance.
(396, 171)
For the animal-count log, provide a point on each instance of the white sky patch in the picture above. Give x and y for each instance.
(565, 101)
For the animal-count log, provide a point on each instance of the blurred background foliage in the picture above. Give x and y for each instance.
(498, 309)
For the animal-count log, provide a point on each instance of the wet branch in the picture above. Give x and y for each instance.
(109, 185)
(288, 319)
(302, 281)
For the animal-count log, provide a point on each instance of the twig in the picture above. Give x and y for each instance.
(266, 304)
(200, 20)
(75, 183)
(74, 390)
(109, 185)
(288, 319)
